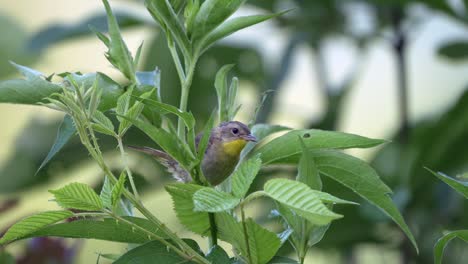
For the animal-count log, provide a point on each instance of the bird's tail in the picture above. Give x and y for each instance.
(172, 166)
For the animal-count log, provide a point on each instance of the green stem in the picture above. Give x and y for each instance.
(127, 168)
(184, 97)
(94, 148)
(213, 230)
(176, 58)
(246, 236)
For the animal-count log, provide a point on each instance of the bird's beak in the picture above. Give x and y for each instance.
(250, 137)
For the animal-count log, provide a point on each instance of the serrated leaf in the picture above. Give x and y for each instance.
(123, 103)
(363, 180)
(132, 113)
(163, 108)
(118, 53)
(302, 200)
(118, 188)
(77, 196)
(167, 18)
(210, 200)
(211, 14)
(150, 252)
(106, 193)
(217, 255)
(231, 26)
(102, 229)
(182, 197)
(444, 240)
(104, 122)
(287, 147)
(263, 244)
(244, 175)
(64, 134)
(33, 223)
(95, 99)
(459, 185)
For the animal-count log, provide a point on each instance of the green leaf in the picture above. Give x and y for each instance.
(363, 180)
(167, 18)
(123, 103)
(106, 193)
(233, 25)
(149, 253)
(163, 108)
(261, 131)
(244, 175)
(217, 255)
(443, 241)
(78, 196)
(210, 200)
(33, 223)
(459, 185)
(132, 114)
(169, 142)
(26, 71)
(118, 188)
(455, 50)
(307, 171)
(263, 244)
(303, 200)
(102, 229)
(182, 196)
(104, 124)
(222, 92)
(32, 90)
(282, 260)
(190, 13)
(64, 134)
(211, 14)
(288, 147)
(111, 90)
(118, 54)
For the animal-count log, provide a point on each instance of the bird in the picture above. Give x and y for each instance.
(222, 153)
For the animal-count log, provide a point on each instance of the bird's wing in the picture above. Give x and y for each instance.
(172, 166)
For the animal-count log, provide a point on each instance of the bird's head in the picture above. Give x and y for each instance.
(234, 136)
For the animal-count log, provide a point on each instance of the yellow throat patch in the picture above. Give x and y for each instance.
(234, 148)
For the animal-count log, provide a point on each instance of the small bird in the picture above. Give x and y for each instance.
(221, 156)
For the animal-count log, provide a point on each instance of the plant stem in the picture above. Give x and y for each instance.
(246, 235)
(184, 97)
(399, 48)
(213, 230)
(127, 168)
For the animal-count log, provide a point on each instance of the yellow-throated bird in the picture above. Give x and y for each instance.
(221, 156)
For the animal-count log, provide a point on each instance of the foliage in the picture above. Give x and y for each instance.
(190, 29)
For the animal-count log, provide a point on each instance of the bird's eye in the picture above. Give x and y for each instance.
(235, 131)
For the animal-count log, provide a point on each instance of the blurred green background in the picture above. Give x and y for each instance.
(392, 69)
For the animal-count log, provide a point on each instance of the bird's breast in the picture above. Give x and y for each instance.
(234, 148)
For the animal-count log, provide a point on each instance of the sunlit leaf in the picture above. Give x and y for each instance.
(77, 196)
(244, 175)
(149, 253)
(210, 200)
(302, 200)
(33, 223)
(182, 196)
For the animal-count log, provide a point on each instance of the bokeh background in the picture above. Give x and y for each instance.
(392, 69)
